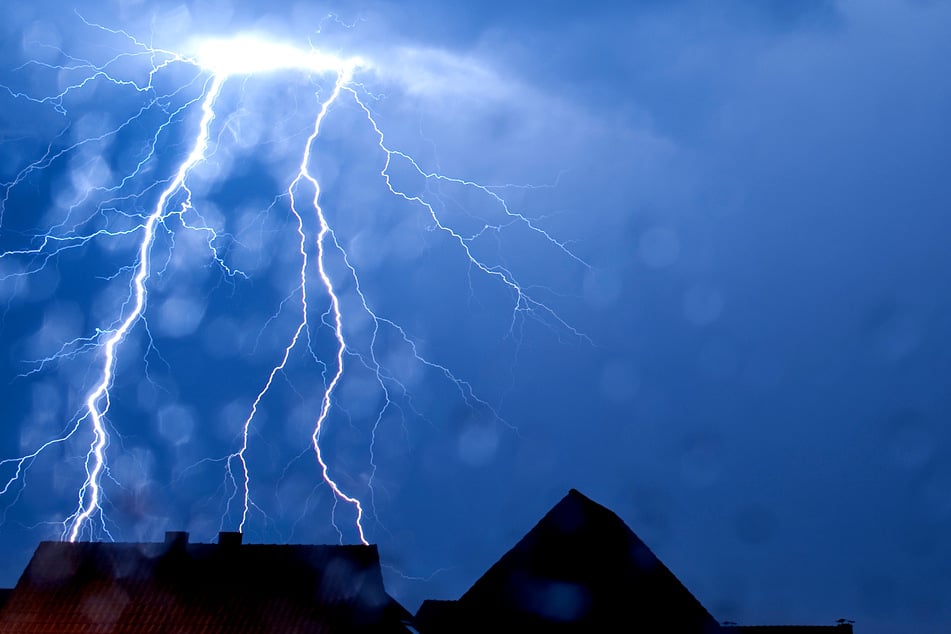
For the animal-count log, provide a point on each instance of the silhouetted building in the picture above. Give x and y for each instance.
(177, 587)
(841, 628)
(581, 569)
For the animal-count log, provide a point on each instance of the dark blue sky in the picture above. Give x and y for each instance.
(758, 188)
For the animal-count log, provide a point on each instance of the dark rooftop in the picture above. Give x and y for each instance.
(582, 569)
(841, 628)
(208, 588)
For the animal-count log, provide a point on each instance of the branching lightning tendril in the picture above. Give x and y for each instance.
(215, 64)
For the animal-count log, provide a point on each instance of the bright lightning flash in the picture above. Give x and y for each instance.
(214, 64)
(253, 55)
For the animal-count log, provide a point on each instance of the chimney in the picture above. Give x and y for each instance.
(228, 539)
(176, 539)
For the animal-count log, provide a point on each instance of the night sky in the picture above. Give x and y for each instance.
(728, 223)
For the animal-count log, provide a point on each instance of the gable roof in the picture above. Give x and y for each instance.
(579, 569)
(221, 588)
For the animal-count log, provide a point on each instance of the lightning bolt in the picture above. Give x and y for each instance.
(214, 64)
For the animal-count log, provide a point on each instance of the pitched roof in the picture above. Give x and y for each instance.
(579, 569)
(201, 588)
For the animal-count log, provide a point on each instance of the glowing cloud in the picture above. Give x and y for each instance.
(253, 54)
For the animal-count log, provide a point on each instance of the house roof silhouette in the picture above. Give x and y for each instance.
(179, 587)
(581, 569)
